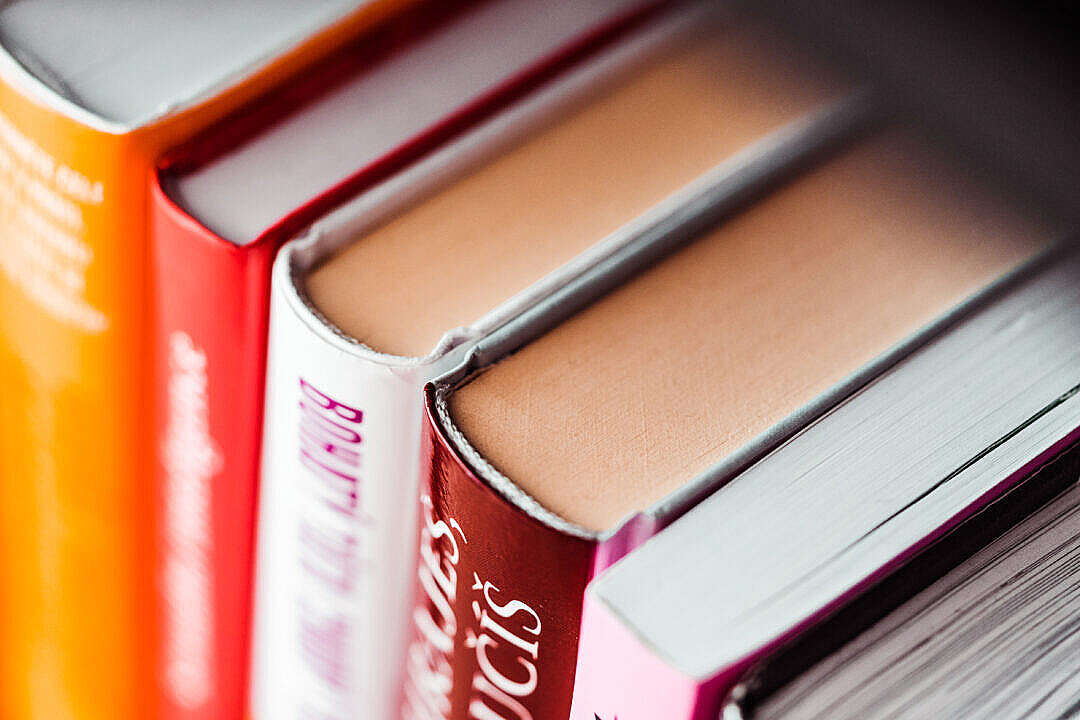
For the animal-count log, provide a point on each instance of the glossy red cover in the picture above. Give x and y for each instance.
(210, 300)
(498, 605)
(210, 314)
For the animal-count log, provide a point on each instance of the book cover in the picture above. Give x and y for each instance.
(481, 647)
(621, 674)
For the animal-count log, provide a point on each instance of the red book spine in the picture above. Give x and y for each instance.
(498, 606)
(210, 315)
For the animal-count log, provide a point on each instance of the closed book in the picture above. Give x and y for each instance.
(985, 407)
(221, 205)
(556, 452)
(396, 286)
(981, 624)
(89, 95)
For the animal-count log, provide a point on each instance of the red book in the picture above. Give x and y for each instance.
(486, 572)
(220, 208)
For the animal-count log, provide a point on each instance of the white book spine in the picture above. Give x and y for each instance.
(336, 524)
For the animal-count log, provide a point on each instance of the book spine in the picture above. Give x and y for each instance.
(73, 522)
(211, 303)
(336, 527)
(498, 602)
(612, 660)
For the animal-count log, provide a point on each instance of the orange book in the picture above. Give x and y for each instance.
(81, 124)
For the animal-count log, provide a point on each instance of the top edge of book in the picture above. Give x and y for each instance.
(116, 67)
(680, 221)
(527, 328)
(389, 200)
(445, 77)
(608, 263)
(1009, 368)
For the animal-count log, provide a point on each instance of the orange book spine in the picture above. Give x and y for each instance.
(76, 586)
(71, 313)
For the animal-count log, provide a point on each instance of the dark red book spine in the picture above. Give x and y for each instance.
(498, 606)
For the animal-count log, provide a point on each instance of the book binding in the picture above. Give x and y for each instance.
(491, 637)
(339, 464)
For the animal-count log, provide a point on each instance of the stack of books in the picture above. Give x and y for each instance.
(506, 360)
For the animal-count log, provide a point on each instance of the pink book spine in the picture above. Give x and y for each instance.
(619, 678)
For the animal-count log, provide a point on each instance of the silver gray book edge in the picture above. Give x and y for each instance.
(1005, 518)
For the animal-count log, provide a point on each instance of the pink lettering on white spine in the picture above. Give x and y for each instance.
(330, 448)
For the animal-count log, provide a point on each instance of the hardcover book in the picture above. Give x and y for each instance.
(986, 405)
(995, 637)
(85, 107)
(393, 288)
(558, 447)
(222, 204)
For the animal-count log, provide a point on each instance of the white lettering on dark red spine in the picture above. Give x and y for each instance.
(429, 675)
(513, 625)
(509, 628)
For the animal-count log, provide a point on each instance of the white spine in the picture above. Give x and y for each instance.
(332, 573)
